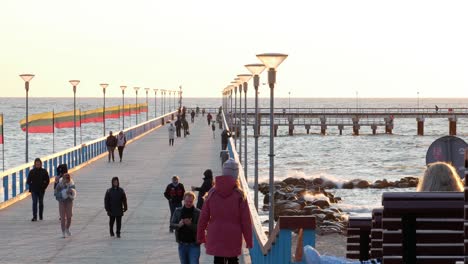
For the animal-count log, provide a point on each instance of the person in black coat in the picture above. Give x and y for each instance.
(178, 125)
(115, 203)
(225, 135)
(111, 143)
(174, 194)
(206, 186)
(38, 180)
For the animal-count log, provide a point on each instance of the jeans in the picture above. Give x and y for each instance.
(111, 153)
(111, 224)
(37, 197)
(172, 207)
(120, 149)
(189, 253)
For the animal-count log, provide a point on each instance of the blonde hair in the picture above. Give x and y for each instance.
(191, 194)
(440, 177)
(240, 190)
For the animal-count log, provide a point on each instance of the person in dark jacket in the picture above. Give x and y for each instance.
(185, 221)
(115, 203)
(178, 125)
(208, 118)
(38, 180)
(192, 115)
(185, 125)
(174, 193)
(111, 143)
(225, 135)
(206, 186)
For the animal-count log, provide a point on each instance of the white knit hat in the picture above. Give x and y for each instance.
(231, 168)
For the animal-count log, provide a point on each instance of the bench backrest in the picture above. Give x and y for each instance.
(376, 233)
(423, 227)
(358, 238)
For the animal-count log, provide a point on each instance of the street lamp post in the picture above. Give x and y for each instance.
(231, 88)
(180, 97)
(27, 78)
(74, 83)
(155, 96)
(104, 86)
(234, 83)
(418, 101)
(163, 102)
(272, 61)
(244, 78)
(239, 128)
(256, 70)
(123, 87)
(136, 104)
(147, 106)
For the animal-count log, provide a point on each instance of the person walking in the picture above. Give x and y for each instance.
(184, 222)
(111, 143)
(65, 193)
(192, 115)
(225, 135)
(115, 203)
(208, 118)
(225, 217)
(178, 125)
(203, 112)
(213, 128)
(219, 119)
(185, 125)
(121, 142)
(198, 110)
(171, 129)
(174, 194)
(204, 188)
(38, 180)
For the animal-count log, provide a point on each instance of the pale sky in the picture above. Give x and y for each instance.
(378, 48)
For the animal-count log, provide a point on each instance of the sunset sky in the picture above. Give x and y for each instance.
(378, 48)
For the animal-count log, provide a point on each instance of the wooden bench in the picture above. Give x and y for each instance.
(358, 238)
(423, 227)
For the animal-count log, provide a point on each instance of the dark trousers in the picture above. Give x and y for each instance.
(185, 132)
(171, 142)
(192, 119)
(172, 207)
(111, 224)
(37, 197)
(178, 131)
(120, 149)
(111, 152)
(209, 121)
(225, 260)
(223, 146)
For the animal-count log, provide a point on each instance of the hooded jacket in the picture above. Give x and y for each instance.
(225, 218)
(115, 200)
(38, 179)
(206, 186)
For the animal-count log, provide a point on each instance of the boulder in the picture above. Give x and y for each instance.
(348, 185)
(361, 184)
(321, 203)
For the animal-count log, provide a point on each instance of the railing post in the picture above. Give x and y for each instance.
(13, 184)
(21, 177)
(5, 188)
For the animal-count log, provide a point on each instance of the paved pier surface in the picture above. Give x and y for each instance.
(149, 163)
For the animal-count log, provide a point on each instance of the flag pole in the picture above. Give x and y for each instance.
(53, 131)
(3, 146)
(81, 138)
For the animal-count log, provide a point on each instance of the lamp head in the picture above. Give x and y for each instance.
(123, 87)
(255, 68)
(74, 82)
(27, 77)
(136, 89)
(244, 77)
(272, 60)
(104, 85)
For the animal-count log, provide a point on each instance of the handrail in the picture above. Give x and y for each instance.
(277, 247)
(14, 180)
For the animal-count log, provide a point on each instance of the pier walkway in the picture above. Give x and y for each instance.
(148, 165)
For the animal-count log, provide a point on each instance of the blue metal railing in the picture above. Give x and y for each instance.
(277, 247)
(14, 179)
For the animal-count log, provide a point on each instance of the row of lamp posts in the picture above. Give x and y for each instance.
(270, 61)
(28, 77)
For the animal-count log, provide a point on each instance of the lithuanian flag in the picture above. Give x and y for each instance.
(142, 108)
(66, 119)
(113, 112)
(1, 128)
(126, 110)
(134, 109)
(92, 116)
(39, 123)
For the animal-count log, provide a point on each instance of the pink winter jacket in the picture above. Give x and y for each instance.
(225, 217)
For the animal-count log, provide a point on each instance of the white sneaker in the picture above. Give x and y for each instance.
(63, 234)
(68, 232)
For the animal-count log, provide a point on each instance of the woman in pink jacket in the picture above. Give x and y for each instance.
(225, 218)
